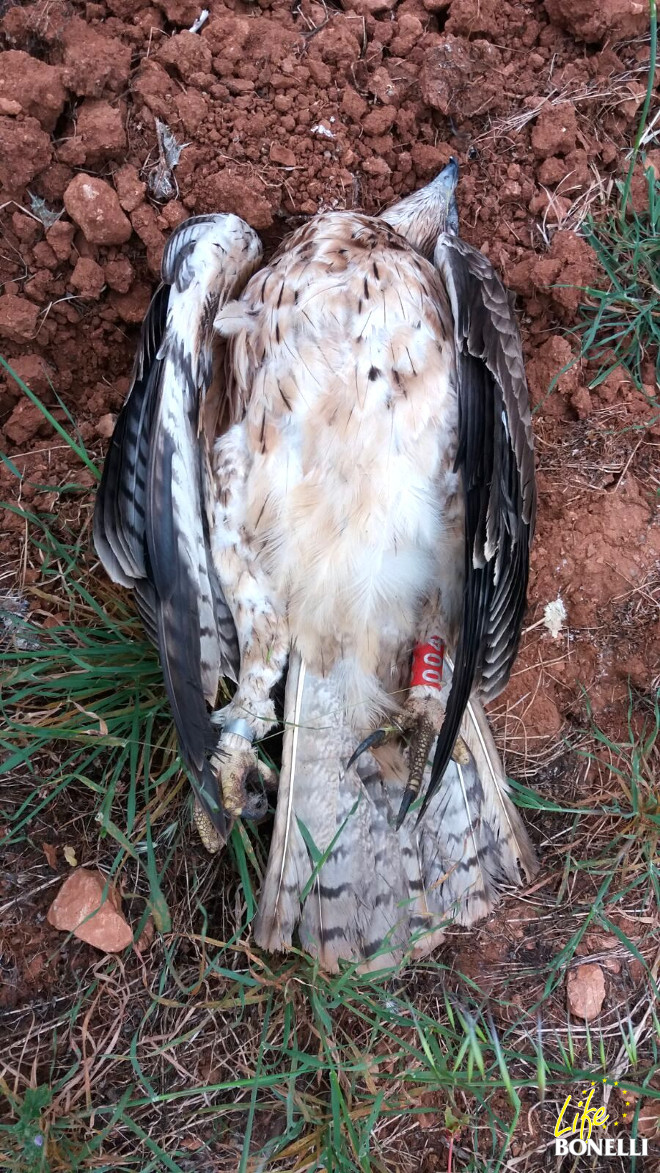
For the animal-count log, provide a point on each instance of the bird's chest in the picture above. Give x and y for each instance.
(349, 489)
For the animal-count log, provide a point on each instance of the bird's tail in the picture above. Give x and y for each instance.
(339, 872)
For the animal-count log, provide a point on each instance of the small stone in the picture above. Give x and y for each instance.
(44, 257)
(618, 20)
(370, 7)
(60, 239)
(88, 278)
(282, 155)
(586, 991)
(555, 131)
(25, 151)
(234, 192)
(94, 206)
(18, 318)
(119, 274)
(429, 161)
(188, 53)
(82, 908)
(31, 86)
(105, 426)
(133, 306)
(26, 421)
(379, 121)
(130, 189)
(100, 127)
(93, 63)
(34, 372)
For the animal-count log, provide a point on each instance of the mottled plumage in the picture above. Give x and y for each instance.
(321, 464)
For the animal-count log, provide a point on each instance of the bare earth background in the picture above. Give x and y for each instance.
(286, 110)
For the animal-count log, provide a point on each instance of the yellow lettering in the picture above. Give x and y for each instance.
(600, 1117)
(563, 1131)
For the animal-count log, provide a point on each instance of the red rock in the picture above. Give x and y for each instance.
(25, 151)
(145, 222)
(132, 306)
(188, 53)
(88, 906)
(60, 239)
(34, 372)
(409, 32)
(376, 166)
(382, 87)
(282, 155)
(130, 188)
(617, 20)
(555, 131)
(125, 9)
(172, 215)
(33, 85)
(119, 274)
(458, 77)
(18, 318)
(231, 191)
(44, 257)
(100, 126)
(428, 160)
(87, 278)
(93, 63)
(585, 987)
(27, 229)
(337, 46)
(479, 18)
(105, 426)
(54, 181)
(9, 107)
(154, 86)
(25, 422)
(94, 206)
(379, 120)
(192, 108)
(578, 268)
(181, 12)
(552, 171)
(369, 7)
(353, 105)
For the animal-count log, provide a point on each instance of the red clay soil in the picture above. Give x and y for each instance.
(289, 109)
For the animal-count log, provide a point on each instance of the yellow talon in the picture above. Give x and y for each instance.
(461, 753)
(206, 831)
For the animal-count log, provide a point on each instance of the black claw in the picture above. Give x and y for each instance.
(409, 794)
(378, 737)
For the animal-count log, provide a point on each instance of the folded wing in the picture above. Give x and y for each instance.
(496, 459)
(151, 523)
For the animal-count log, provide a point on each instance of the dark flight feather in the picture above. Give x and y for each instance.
(496, 460)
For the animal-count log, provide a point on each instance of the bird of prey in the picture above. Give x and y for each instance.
(323, 477)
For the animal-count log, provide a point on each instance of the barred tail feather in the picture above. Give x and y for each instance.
(355, 888)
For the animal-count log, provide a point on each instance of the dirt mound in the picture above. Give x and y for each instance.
(283, 111)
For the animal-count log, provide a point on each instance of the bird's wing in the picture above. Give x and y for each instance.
(496, 460)
(151, 521)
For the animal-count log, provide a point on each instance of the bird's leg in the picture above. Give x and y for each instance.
(261, 627)
(420, 719)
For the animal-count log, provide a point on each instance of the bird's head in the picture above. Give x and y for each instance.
(422, 216)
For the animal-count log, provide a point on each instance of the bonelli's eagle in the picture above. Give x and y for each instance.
(324, 474)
